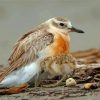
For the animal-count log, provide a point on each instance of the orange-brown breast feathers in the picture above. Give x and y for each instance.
(61, 44)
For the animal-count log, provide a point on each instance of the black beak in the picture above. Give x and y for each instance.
(73, 29)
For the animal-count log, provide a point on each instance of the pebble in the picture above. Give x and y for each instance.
(89, 86)
(70, 82)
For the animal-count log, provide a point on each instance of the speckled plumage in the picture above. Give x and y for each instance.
(46, 40)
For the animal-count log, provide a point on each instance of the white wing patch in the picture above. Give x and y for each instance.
(21, 76)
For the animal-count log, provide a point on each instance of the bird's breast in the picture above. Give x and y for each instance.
(60, 44)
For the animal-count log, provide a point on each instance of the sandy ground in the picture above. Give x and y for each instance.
(57, 93)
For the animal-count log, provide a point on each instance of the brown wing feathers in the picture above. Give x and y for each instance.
(26, 49)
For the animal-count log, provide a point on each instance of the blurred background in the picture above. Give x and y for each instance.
(19, 16)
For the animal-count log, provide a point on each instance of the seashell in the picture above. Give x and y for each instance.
(70, 82)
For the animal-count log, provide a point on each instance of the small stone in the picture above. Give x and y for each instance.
(89, 86)
(70, 82)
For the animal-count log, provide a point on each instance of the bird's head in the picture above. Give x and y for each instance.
(63, 25)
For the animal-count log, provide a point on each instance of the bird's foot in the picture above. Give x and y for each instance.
(60, 82)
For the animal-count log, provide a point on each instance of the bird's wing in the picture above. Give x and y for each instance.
(27, 48)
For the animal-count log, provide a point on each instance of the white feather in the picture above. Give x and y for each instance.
(69, 24)
(21, 75)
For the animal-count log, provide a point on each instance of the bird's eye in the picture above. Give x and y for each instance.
(61, 24)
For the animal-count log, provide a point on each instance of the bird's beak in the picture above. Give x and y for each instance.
(73, 29)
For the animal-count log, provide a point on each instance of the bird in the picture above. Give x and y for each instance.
(49, 39)
(61, 65)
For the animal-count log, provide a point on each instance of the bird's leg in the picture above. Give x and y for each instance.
(58, 82)
(43, 75)
(38, 81)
